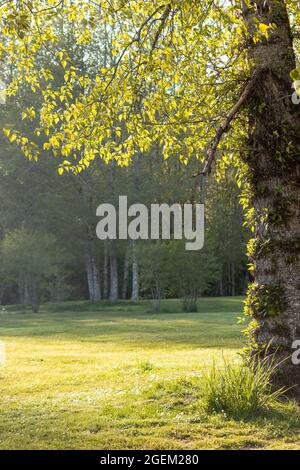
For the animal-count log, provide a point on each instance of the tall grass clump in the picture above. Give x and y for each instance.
(241, 390)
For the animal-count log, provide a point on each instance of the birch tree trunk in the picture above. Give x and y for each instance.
(135, 274)
(105, 271)
(221, 283)
(273, 162)
(232, 268)
(24, 296)
(34, 297)
(126, 272)
(26, 293)
(114, 284)
(92, 272)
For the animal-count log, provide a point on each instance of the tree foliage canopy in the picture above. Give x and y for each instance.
(167, 72)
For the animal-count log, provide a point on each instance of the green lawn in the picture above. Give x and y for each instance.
(82, 376)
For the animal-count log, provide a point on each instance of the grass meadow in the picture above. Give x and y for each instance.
(100, 376)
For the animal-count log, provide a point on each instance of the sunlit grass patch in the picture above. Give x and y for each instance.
(93, 377)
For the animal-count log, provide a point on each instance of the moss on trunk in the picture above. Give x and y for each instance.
(274, 192)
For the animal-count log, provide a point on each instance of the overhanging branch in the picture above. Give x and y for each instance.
(211, 152)
(161, 26)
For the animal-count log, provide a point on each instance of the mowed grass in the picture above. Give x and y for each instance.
(84, 376)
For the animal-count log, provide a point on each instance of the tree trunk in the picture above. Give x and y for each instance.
(126, 272)
(135, 275)
(157, 296)
(221, 283)
(233, 290)
(26, 294)
(92, 273)
(2, 292)
(114, 285)
(105, 271)
(273, 162)
(33, 293)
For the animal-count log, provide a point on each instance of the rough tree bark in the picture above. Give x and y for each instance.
(273, 161)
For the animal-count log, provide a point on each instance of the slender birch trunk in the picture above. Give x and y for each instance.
(126, 272)
(92, 273)
(114, 282)
(105, 271)
(135, 274)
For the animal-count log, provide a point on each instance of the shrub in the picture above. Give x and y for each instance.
(190, 305)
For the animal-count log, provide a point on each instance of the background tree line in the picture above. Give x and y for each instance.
(50, 252)
(48, 245)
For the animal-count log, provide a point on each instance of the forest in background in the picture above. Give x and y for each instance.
(49, 249)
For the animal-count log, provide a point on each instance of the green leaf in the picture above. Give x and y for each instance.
(295, 74)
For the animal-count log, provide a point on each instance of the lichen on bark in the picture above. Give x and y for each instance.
(274, 192)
